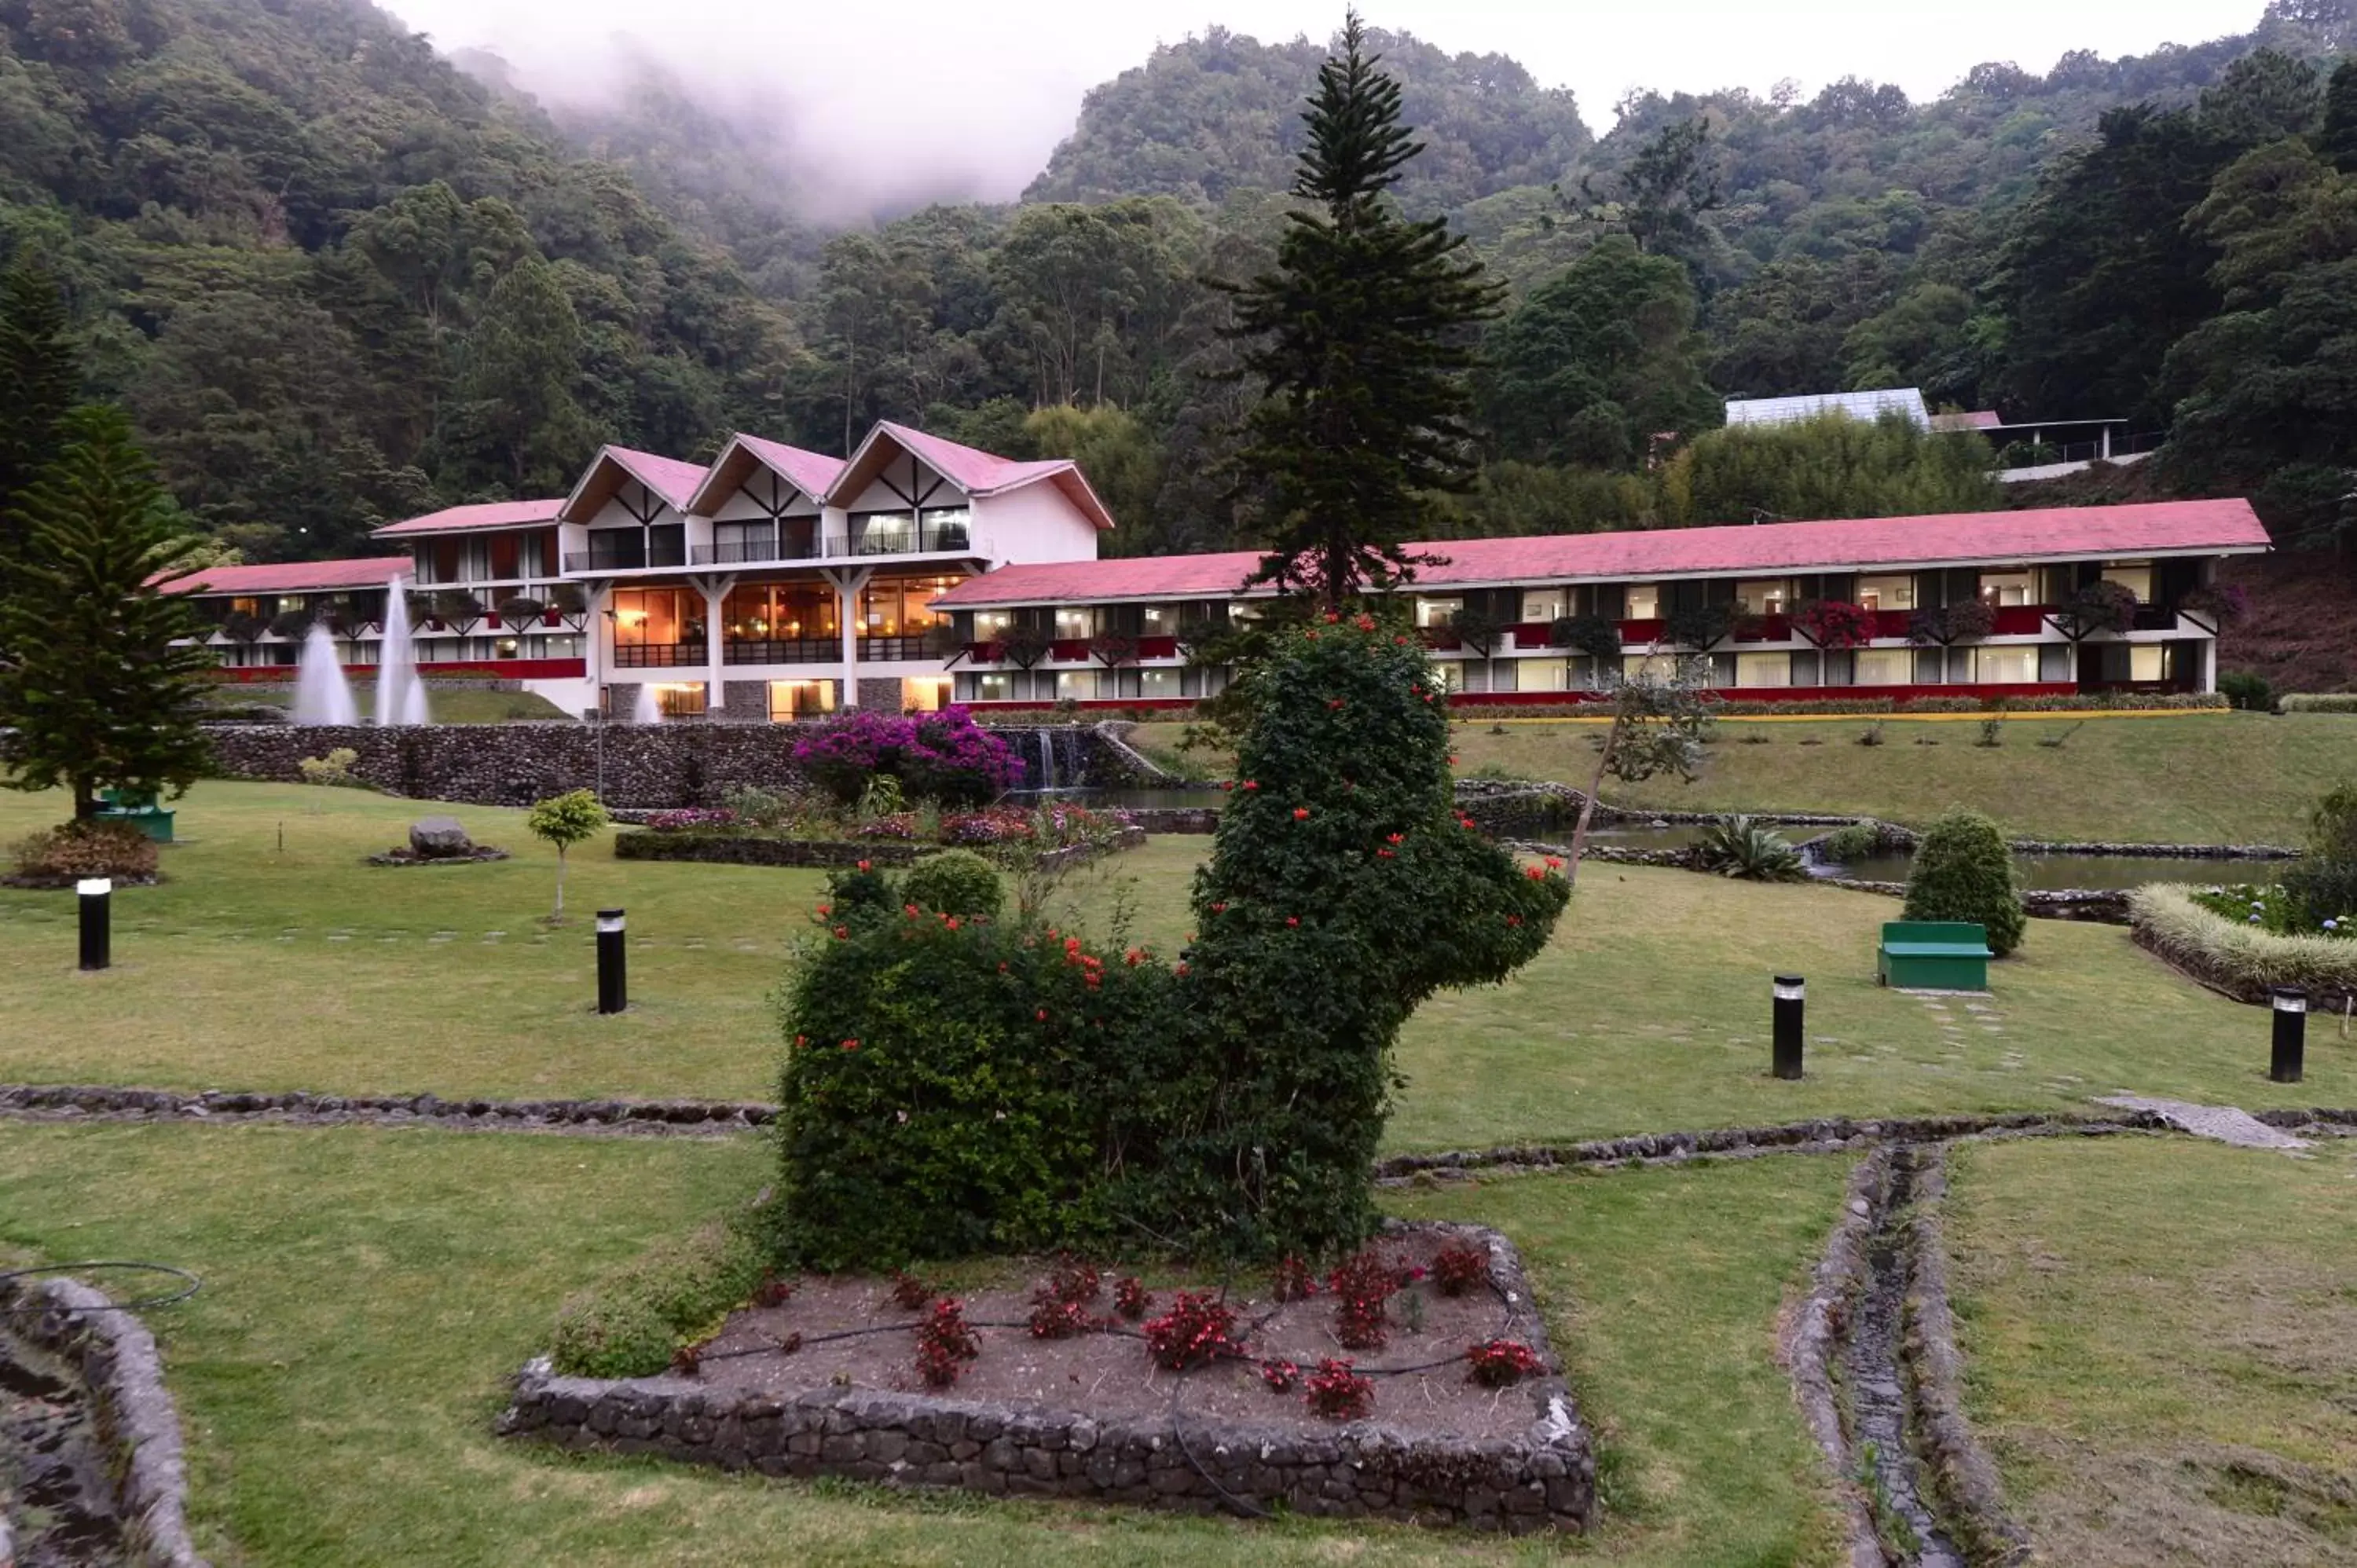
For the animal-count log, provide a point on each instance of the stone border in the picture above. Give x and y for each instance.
(1972, 1502)
(692, 1118)
(1812, 1336)
(116, 1358)
(1545, 1479)
(747, 849)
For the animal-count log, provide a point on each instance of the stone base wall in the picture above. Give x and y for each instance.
(720, 849)
(747, 700)
(687, 763)
(882, 692)
(1546, 1479)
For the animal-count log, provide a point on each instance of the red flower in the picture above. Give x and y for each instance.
(1043, 1015)
(1334, 702)
(1364, 623)
(1252, 783)
(1300, 813)
(1293, 920)
(864, 865)
(842, 933)
(1535, 872)
(1399, 642)
(824, 909)
(1396, 838)
(1134, 957)
(910, 910)
(1452, 759)
(1332, 617)
(1180, 969)
(1227, 783)
(1554, 862)
(850, 1044)
(801, 1040)
(949, 922)
(1071, 944)
(1219, 908)
(1387, 854)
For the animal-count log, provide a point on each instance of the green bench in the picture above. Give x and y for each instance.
(138, 808)
(1933, 955)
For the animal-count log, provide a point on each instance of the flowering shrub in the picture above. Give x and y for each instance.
(1834, 623)
(1017, 1088)
(1363, 1286)
(92, 846)
(689, 818)
(942, 756)
(1292, 1281)
(1060, 1308)
(2323, 880)
(1197, 1330)
(909, 1294)
(990, 825)
(1458, 1268)
(1337, 1393)
(1130, 1298)
(945, 1344)
(2270, 908)
(1501, 1363)
(1282, 1377)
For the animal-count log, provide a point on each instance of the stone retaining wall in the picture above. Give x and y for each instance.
(114, 1358)
(1542, 1479)
(725, 849)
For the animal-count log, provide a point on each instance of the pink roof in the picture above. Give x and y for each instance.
(976, 472)
(483, 514)
(811, 472)
(2157, 527)
(294, 577)
(672, 480)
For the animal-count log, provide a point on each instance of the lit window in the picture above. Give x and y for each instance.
(2002, 588)
(991, 623)
(1887, 593)
(1544, 675)
(1078, 685)
(1075, 624)
(1644, 601)
(1159, 683)
(1432, 613)
(1658, 667)
(2148, 661)
(1764, 669)
(2137, 579)
(1885, 667)
(2005, 666)
(1545, 605)
(994, 689)
(1764, 596)
(1162, 620)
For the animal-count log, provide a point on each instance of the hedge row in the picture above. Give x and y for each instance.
(2318, 703)
(1837, 707)
(630, 1322)
(2240, 959)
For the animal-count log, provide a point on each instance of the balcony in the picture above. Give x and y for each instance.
(886, 650)
(782, 650)
(605, 562)
(746, 553)
(657, 655)
(941, 538)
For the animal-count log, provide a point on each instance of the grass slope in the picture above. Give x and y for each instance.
(257, 968)
(451, 705)
(2172, 778)
(368, 1292)
(2160, 1338)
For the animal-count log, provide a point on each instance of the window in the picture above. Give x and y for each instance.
(1162, 620)
(945, 528)
(883, 532)
(1433, 613)
(2001, 588)
(1501, 674)
(1078, 685)
(796, 699)
(991, 625)
(667, 544)
(245, 607)
(558, 648)
(1644, 601)
(507, 648)
(1075, 625)
(2148, 660)
(1544, 675)
(924, 696)
(1161, 684)
(2005, 666)
(988, 688)
(2135, 577)
(738, 542)
(1452, 674)
(1884, 666)
(1657, 667)
(1764, 669)
(1887, 593)
(614, 548)
(1764, 596)
(902, 607)
(1545, 605)
(644, 616)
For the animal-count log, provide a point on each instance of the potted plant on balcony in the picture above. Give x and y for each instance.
(293, 624)
(1966, 620)
(520, 612)
(2098, 607)
(1700, 626)
(1833, 623)
(2212, 607)
(458, 609)
(571, 604)
(1021, 644)
(1599, 637)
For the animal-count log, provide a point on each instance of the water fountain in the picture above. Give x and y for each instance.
(400, 691)
(322, 694)
(648, 709)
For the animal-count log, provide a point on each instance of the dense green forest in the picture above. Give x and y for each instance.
(339, 279)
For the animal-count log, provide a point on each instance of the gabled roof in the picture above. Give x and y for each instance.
(809, 472)
(1978, 419)
(481, 515)
(2155, 527)
(1863, 405)
(668, 477)
(978, 474)
(294, 577)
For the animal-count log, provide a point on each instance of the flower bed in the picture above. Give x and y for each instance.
(1462, 1421)
(2236, 956)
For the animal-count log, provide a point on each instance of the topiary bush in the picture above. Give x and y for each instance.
(2323, 880)
(960, 1088)
(1962, 870)
(63, 855)
(954, 882)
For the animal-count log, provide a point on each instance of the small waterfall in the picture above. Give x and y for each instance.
(322, 694)
(648, 709)
(1047, 758)
(400, 690)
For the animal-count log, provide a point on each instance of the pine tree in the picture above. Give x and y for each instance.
(94, 687)
(39, 377)
(1362, 338)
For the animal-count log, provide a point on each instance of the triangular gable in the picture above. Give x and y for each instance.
(812, 473)
(673, 480)
(978, 473)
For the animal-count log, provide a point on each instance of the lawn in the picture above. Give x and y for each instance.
(2160, 1341)
(2170, 779)
(368, 1291)
(261, 968)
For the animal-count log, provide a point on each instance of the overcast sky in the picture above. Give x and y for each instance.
(968, 97)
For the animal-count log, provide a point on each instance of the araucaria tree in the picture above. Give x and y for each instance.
(1361, 338)
(93, 684)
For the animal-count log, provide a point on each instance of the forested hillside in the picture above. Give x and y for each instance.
(334, 282)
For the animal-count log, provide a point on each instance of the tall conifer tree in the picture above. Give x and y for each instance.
(1361, 338)
(93, 685)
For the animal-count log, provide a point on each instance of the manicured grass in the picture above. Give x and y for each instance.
(2161, 1340)
(367, 1292)
(451, 705)
(255, 967)
(2173, 778)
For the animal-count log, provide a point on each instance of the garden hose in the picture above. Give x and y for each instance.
(189, 1286)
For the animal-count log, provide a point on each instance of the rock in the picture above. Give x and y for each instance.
(439, 838)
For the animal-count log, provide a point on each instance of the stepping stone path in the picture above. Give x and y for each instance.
(2226, 1123)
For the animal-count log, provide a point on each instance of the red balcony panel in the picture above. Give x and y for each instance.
(1639, 632)
(1765, 628)
(1157, 647)
(1068, 647)
(1893, 623)
(1440, 639)
(2019, 620)
(1534, 634)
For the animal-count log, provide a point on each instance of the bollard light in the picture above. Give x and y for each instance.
(613, 981)
(1792, 992)
(2290, 1006)
(97, 912)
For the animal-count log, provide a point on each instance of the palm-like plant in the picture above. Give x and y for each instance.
(1750, 851)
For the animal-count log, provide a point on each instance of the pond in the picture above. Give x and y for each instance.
(2093, 872)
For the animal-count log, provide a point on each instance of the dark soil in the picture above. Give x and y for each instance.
(1421, 1386)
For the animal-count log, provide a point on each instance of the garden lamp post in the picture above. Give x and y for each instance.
(1792, 992)
(613, 986)
(2290, 1010)
(97, 896)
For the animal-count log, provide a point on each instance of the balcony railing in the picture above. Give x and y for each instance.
(882, 648)
(783, 650)
(657, 655)
(578, 561)
(748, 551)
(939, 539)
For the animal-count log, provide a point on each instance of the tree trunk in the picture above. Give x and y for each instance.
(85, 797)
(1588, 806)
(560, 883)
